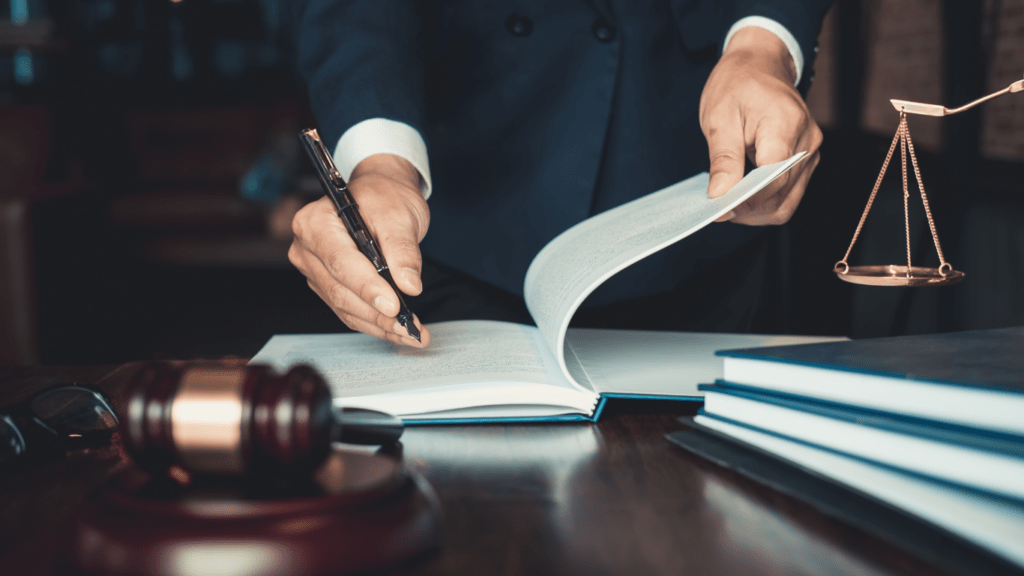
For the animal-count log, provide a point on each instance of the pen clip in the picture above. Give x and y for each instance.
(322, 161)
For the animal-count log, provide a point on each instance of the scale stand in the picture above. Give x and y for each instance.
(909, 275)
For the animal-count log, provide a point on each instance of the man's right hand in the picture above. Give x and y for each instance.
(386, 188)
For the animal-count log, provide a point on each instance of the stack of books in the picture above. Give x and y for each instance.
(931, 424)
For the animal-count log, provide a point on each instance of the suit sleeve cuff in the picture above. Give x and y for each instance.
(775, 28)
(383, 136)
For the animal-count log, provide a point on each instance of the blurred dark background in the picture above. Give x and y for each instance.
(148, 171)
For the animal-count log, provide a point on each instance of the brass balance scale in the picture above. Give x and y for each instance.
(909, 275)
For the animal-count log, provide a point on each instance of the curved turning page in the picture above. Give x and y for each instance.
(576, 262)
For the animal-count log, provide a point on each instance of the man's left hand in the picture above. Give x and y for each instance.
(750, 108)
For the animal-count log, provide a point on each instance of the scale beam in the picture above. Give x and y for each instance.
(937, 110)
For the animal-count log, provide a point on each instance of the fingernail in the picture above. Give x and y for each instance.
(381, 303)
(730, 215)
(413, 277)
(399, 329)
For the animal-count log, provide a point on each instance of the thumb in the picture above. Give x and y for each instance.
(386, 187)
(727, 159)
(400, 245)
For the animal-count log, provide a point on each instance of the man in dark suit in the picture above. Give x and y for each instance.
(537, 114)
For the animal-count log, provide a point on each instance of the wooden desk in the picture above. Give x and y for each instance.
(611, 498)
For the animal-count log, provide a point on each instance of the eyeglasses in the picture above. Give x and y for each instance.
(57, 420)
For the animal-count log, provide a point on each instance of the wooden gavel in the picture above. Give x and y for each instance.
(233, 421)
(359, 512)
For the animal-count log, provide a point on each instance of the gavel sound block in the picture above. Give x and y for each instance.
(265, 494)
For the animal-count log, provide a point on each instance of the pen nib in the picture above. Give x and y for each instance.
(410, 326)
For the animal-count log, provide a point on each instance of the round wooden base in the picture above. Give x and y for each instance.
(360, 512)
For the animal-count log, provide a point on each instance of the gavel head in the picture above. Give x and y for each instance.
(227, 421)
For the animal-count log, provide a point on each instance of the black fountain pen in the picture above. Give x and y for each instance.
(348, 211)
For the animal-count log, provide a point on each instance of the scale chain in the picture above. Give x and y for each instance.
(906, 190)
(927, 209)
(871, 200)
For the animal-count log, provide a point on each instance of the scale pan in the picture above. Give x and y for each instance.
(893, 275)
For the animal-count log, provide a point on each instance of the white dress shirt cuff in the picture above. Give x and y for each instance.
(775, 28)
(383, 136)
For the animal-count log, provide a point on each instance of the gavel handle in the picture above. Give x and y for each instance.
(369, 427)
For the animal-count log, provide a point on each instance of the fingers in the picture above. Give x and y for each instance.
(323, 238)
(394, 333)
(351, 307)
(777, 208)
(343, 277)
(749, 107)
(778, 137)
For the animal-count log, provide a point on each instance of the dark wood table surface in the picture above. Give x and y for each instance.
(607, 498)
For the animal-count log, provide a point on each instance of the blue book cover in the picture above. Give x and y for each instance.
(984, 460)
(934, 430)
(992, 359)
(973, 379)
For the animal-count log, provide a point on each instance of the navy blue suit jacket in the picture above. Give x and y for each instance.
(536, 113)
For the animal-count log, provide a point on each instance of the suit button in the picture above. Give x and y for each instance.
(519, 25)
(603, 31)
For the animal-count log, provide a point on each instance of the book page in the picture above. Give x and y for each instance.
(467, 352)
(994, 523)
(654, 363)
(578, 260)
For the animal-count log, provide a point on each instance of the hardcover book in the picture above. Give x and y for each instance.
(476, 370)
(973, 378)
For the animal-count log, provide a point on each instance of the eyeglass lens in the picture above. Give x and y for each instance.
(73, 411)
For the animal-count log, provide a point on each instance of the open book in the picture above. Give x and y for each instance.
(478, 370)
